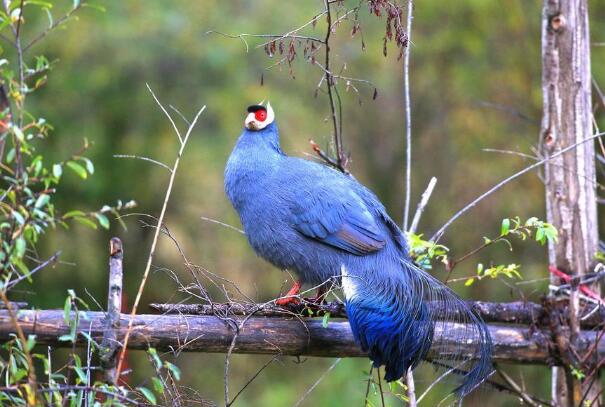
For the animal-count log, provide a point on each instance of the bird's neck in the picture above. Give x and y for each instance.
(256, 156)
(265, 141)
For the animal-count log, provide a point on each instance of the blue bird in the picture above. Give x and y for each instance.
(325, 226)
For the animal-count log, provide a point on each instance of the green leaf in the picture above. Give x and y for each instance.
(154, 356)
(42, 201)
(103, 221)
(158, 386)
(469, 282)
(57, 170)
(505, 227)
(479, 268)
(89, 165)
(86, 221)
(18, 217)
(78, 169)
(10, 156)
(31, 342)
(72, 214)
(540, 236)
(325, 320)
(20, 246)
(80, 373)
(18, 133)
(176, 372)
(148, 394)
(67, 310)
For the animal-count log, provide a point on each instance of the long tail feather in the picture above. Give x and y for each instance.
(394, 322)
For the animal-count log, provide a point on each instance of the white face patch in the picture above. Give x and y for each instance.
(252, 123)
(349, 284)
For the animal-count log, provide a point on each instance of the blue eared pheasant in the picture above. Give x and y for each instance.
(324, 225)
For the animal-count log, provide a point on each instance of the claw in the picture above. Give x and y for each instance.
(285, 302)
(291, 296)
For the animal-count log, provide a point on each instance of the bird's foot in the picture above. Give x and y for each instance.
(291, 297)
(286, 302)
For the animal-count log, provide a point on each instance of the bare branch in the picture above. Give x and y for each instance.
(424, 199)
(51, 260)
(408, 118)
(159, 223)
(218, 222)
(176, 129)
(151, 160)
(435, 238)
(526, 398)
(310, 389)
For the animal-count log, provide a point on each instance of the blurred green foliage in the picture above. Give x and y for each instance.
(475, 76)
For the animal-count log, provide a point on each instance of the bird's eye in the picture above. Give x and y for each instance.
(260, 115)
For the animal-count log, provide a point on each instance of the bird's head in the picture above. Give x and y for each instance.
(259, 117)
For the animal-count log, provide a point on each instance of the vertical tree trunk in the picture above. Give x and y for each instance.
(569, 178)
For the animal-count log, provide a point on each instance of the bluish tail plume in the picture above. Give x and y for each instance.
(395, 320)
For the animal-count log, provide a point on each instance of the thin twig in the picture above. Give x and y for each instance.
(370, 378)
(510, 110)
(56, 24)
(340, 158)
(218, 222)
(380, 388)
(526, 398)
(411, 389)
(138, 157)
(16, 281)
(435, 238)
(408, 118)
(274, 37)
(259, 371)
(176, 129)
(228, 358)
(159, 223)
(310, 389)
(289, 34)
(181, 115)
(424, 200)
(436, 381)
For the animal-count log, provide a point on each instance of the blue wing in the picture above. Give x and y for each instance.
(338, 218)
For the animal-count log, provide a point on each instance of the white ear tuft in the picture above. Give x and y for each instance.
(270, 113)
(261, 102)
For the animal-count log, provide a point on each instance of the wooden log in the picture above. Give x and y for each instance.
(519, 312)
(277, 335)
(110, 343)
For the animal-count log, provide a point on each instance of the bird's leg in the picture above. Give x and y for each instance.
(319, 298)
(291, 296)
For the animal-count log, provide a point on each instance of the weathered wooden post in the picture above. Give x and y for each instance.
(570, 178)
(110, 344)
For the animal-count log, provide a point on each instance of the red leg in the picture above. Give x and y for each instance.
(290, 297)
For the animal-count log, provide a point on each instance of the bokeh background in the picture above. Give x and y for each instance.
(475, 77)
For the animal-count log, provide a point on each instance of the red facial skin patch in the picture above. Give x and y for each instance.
(260, 115)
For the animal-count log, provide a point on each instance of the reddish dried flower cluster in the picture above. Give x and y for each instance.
(395, 30)
(287, 49)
